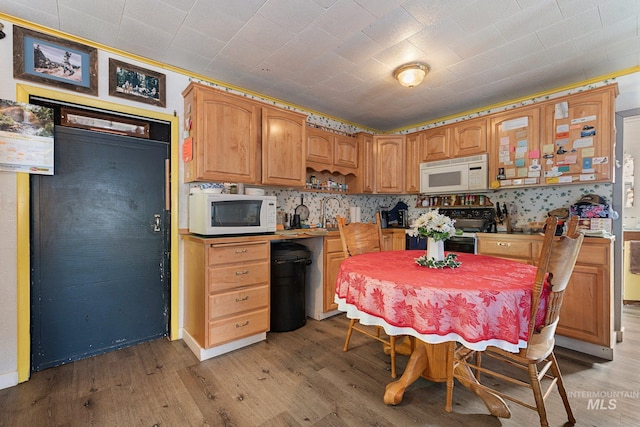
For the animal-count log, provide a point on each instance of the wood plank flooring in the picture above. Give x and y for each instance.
(299, 378)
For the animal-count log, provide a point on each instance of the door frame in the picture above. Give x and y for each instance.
(23, 92)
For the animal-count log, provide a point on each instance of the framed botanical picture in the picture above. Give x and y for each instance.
(53, 61)
(137, 84)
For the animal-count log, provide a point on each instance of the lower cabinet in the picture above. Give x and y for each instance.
(226, 290)
(586, 316)
(394, 239)
(333, 256)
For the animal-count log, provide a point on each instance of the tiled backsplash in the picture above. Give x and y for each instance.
(525, 204)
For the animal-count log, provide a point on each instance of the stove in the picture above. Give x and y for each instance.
(468, 220)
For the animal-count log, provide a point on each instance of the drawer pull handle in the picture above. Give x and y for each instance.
(239, 251)
(504, 244)
(242, 299)
(242, 325)
(240, 273)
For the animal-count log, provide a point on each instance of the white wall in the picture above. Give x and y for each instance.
(631, 143)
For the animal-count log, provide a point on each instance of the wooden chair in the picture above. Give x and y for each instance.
(555, 265)
(359, 238)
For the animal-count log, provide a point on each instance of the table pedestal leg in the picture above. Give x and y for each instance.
(493, 402)
(415, 366)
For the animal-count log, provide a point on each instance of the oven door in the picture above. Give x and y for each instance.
(465, 244)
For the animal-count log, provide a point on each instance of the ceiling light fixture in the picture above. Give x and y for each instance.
(411, 75)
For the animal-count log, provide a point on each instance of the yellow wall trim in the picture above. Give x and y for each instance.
(23, 233)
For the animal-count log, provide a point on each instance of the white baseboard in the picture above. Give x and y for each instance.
(208, 353)
(8, 380)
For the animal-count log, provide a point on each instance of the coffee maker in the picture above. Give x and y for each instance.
(403, 218)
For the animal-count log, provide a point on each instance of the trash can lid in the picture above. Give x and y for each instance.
(289, 251)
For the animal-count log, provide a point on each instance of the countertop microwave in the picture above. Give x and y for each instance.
(463, 174)
(230, 214)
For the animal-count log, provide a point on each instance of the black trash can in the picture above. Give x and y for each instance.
(289, 263)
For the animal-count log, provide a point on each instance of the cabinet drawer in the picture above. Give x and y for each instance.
(221, 278)
(233, 328)
(237, 301)
(594, 254)
(508, 249)
(332, 245)
(238, 253)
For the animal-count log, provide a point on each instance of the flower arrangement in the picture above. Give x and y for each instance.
(433, 224)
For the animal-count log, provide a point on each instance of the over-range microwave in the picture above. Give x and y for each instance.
(455, 175)
(220, 214)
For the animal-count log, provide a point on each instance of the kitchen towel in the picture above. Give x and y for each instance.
(354, 214)
(634, 256)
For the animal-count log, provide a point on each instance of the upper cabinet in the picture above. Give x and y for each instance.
(469, 137)
(330, 151)
(435, 144)
(514, 156)
(283, 147)
(235, 139)
(412, 166)
(389, 154)
(579, 135)
(566, 140)
(224, 132)
(364, 179)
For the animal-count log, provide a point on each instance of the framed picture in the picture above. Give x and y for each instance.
(137, 84)
(49, 60)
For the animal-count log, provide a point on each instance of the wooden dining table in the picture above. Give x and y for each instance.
(484, 302)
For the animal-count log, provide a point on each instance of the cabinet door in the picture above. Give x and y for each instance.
(224, 131)
(514, 148)
(283, 147)
(470, 138)
(345, 153)
(412, 171)
(585, 314)
(579, 137)
(332, 263)
(319, 149)
(389, 155)
(435, 144)
(363, 181)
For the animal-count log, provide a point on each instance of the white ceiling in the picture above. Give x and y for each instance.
(337, 57)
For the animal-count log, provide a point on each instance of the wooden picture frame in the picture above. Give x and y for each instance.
(90, 120)
(53, 61)
(136, 83)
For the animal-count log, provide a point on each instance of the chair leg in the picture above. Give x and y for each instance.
(349, 332)
(392, 342)
(555, 369)
(537, 394)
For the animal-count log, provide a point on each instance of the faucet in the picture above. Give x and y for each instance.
(323, 210)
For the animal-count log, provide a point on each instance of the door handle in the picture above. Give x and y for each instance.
(156, 223)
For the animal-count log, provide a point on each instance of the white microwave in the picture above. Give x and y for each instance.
(463, 174)
(220, 214)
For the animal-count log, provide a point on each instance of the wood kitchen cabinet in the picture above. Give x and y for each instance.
(330, 151)
(469, 137)
(412, 167)
(283, 147)
(224, 132)
(389, 152)
(515, 138)
(435, 144)
(226, 290)
(364, 179)
(394, 239)
(333, 257)
(586, 316)
(578, 131)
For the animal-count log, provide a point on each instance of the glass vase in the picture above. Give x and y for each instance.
(435, 249)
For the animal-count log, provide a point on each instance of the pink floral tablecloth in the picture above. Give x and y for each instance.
(484, 302)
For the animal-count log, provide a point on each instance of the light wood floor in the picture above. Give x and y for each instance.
(299, 378)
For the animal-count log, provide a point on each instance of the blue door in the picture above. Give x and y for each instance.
(99, 247)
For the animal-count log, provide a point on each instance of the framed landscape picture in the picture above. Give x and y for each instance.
(53, 61)
(136, 83)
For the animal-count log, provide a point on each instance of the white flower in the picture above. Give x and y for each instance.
(433, 224)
